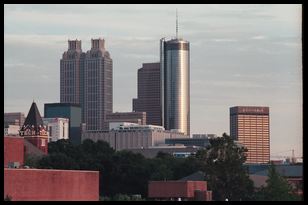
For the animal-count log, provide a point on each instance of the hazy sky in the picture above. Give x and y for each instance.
(240, 55)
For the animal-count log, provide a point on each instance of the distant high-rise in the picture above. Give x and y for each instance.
(86, 79)
(149, 93)
(71, 68)
(70, 111)
(14, 118)
(97, 86)
(250, 126)
(175, 84)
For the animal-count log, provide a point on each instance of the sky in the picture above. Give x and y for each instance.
(240, 55)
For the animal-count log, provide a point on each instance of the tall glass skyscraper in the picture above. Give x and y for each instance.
(175, 84)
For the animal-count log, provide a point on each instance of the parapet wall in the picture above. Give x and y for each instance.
(51, 185)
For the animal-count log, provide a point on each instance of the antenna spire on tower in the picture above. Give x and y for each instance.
(177, 26)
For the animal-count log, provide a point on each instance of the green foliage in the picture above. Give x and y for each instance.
(222, 163)
(277, 188)
(58, 161)
(32, 160)
(124, 175)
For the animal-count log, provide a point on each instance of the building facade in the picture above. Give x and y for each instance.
(175, 84)
(70, 111)
(133, 117)
(34, 130)
(71, 68)
(58, 128)
(131, 136)
(51, 185)
(97, 86)
(249, 125)
(149, 93)
(86, 80)
(11, 130)
(14, 118)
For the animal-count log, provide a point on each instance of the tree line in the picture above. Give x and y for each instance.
(124, 173)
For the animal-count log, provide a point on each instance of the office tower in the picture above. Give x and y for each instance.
(70, 111)
(71, 69)
(175, 84)
(97, 86)
(250, 126)
(14, 118)
(133, 117)
(149, 93)
(34, 129)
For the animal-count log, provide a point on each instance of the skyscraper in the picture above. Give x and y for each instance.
(149, 93)
(71, 68)
(175, 84)
(97, 86)
(86, 79)
(250, 126)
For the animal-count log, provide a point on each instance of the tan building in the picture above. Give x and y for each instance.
(14, 118)
(132, 136)
(249, 125)
(133, 117)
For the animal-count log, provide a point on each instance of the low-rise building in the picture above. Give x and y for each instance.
(208, 136)
(293, 173)
(11, 130)
(133, 117)
(58, 128)
(72, 112)
(132, 136)
(14, 118)
(201, 142)
(177, 151)
(190, 188)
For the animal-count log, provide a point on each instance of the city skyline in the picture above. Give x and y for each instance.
(240, 55)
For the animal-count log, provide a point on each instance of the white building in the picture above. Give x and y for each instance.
(58, 128)
(123, 135)
(11, 130)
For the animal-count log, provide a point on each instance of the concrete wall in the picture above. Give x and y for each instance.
(13, 150)
(168, 189)
(120, 140)
(51, 185)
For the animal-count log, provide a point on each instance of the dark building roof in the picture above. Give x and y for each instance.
(34, 120)
(34, 117)
(286, 170)
(62, 104)
(197, 176)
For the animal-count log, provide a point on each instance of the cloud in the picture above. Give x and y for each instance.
(259, 37)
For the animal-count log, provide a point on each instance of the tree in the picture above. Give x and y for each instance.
(58, 161)
(223, 165)
(277, 188)
(32, 160)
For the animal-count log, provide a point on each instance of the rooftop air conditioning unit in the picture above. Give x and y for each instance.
(13, 165)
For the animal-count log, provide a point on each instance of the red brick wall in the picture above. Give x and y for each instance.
(167, 189)
(40, 142)
(13, 150)
(51, 185)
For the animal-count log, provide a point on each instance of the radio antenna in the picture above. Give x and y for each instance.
(177, 24)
